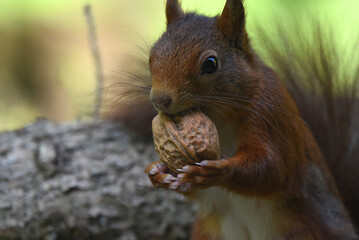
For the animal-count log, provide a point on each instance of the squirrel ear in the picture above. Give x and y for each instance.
(232, 24)
(173, 11)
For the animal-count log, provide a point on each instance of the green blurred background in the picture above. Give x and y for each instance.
(46, 67)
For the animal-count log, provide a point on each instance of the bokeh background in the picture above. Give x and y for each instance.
(46, 66)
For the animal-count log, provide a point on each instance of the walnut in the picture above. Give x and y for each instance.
(184, 140)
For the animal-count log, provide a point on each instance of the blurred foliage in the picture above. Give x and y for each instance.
(46, 67)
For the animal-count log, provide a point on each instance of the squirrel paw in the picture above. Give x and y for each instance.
(204, 174)
(161, 176)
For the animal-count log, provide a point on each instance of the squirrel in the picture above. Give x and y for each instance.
(279, 180)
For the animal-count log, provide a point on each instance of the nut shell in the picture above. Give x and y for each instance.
(185, 140)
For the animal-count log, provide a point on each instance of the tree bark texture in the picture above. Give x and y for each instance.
(84, 180)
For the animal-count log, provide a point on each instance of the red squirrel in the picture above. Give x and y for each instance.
(273, 181)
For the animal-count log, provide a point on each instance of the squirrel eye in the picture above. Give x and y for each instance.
(210, 65)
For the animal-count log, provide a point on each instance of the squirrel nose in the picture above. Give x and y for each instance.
(161, 101)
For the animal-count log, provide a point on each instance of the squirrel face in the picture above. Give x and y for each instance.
(197, 58)
(183, 65)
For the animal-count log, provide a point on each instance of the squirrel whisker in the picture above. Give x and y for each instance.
(221, 102)
(261, 103)
(127, 74)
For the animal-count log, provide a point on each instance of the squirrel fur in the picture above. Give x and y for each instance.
(290, 136)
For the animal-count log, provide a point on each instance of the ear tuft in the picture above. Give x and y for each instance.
(232, 24)
(173, 11)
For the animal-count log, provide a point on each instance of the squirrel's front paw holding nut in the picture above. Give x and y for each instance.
(202, 175)
(160, 175)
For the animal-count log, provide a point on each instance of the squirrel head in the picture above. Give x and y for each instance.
(199, 57)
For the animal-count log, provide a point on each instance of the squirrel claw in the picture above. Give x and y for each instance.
(169, 179)
(202, 164)
(153, 171)
(174, 185)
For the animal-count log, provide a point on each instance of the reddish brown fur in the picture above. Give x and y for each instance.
(173, 11)
(276, 156)
(232, 25)
(328, 102)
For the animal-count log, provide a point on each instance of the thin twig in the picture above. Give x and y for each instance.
(96, 56)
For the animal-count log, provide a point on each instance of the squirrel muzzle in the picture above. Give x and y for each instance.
(161, 100)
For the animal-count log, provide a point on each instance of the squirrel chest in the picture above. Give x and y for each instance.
(232, 216)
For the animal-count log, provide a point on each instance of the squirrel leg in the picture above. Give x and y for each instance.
(255, 169)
